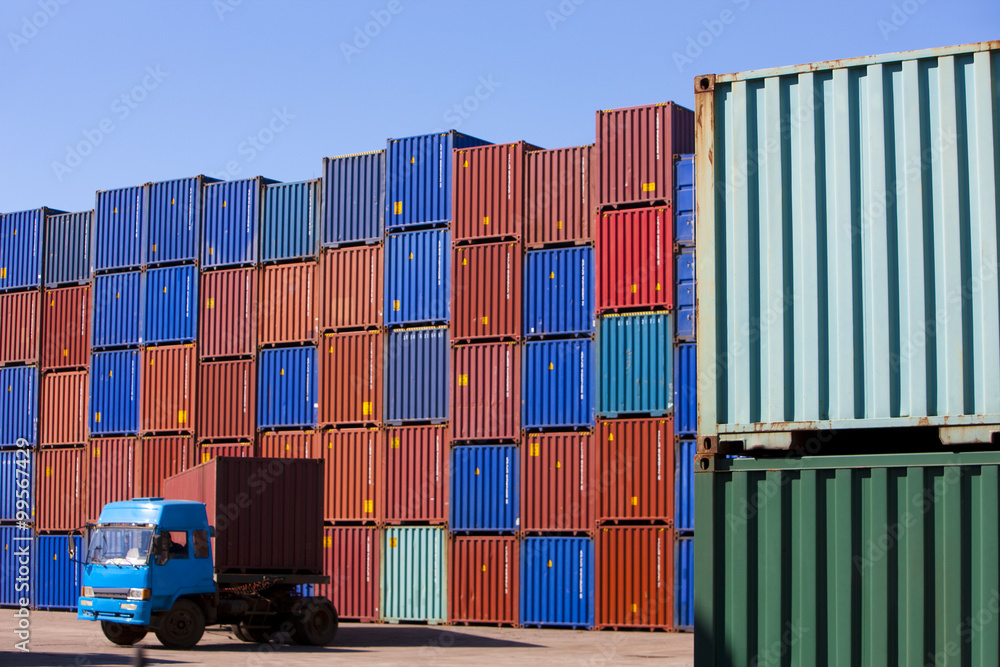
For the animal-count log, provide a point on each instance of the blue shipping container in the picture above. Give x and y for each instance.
(417, 375)
(114, 393)
(684, 199)
(636, 357)
(557, 582)
(291, 221)
(120, 226)
(686, 390)
(18, 405)
(171, 305)
(287, 387)
(67, 248)
(16, 484)
(231, 232)
(684, 485)
(418, 278)
(559, 292)
(353, 198)
(684, 584)
(21, 249)
(56, 578)
(684, 293)
(557, 384)
(117, 309)
(485, 479)
(175, 219)
(418, 178)
(15, 582)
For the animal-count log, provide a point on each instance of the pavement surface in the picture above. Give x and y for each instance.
(59, 639)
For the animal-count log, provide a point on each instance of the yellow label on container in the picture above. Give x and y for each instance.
(111, 374)
(611, 436)
(205, 457)
(463, 380)
(211, 250)
(558, 224)
(65, 352)
(116, 209)
(533, 449)
(393, 443)
(97, 417)
(97, 452)
(173, 200)
(282, 371)
(327, 542)
(484, 568)
(223, 203)
(182, 416)
(118, 295)
(465, 261)
(397, 208)
(635, 608)
(551, 366)
(366, 407)
(154, 247)
(477, 470)
(486, 219)
(558, 464)
(331, 350)
(466, 164)
(395, 304)
(550, 562)
(411, 256)
(151, 362)
(210, 303)
(367, 508)
(164, 289)
(392, 542)
(413, 160)
(288, 447)
(635, 501)
(52, 304)
(635, 288)
(649, 187)
(486, 319)
(552, 275)
(3, 272)
(657, 287)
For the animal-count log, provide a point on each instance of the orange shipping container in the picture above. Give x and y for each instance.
(227, 323)
(558, 482)
(635, 577)
(351, 558)
(64, 400)
(486, 392)
(484, 580)
(489, 191)
(288, 304)
(353, 475)
(635, 261)
(557, 198)
(416, 474)
(109, 475)
(486, 292)
(168, 389)
(290, 445)
(351, 294)
(19, 332)
(66, 343)
(227, 399)
(635, 470)
(350, 376)
(160, 457)
(59, 490)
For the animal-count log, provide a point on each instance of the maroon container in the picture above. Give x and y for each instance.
(486, 292)
(488, 192)
(636, 147)
(243, 449)
(267, 513)
(109, 474)
(168, 394)
(227, 399)
(486, 392)
(484, 580)
(19, 332)
(66, 341)
(416, 474)
(59, 490)
(350, 377)
(288, 304)
(227, 323)
(635, 577)
(558, 483)
(635, 261)
(351, 294)
(557, 201)
(351, 558)
(160, 457)
(64, 401)
(290, 445)
(353, 462)
(635, 470)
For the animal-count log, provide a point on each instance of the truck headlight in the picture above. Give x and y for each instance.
(129, 607)
(86, 603)
(139, 593)
(87, 592)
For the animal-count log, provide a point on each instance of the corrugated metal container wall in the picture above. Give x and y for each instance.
(486, 385)
(56, 577)
(292, 445)
(557, 196)
(67, 248)
(171, 305)
(288, 304)
(19, 337)
(353, 462)
(64, 408)
(351, 371)
(685, 390)
(635, 262)
(18, 405)
(418, 178)
(108, 475)
(684, 584)
(558, 482)
(636, 364)
(351, 557)
(484, 580)
(240, 449)
(414, 579)
(882, 171)
(485, 481)
(684, 199)
(169, 389)
(557, 384)
(559, 292)
(489, 192)
(21, 249)
(117, 312)
(353, 198)
(417, 375)
(685, 305)
(175, 220)
(228, 317)
(636, 148)
(66, 326)
(635, 577)
(418, 277)
(287, 387)
(227, 399)
(114, 392)
(160, 457)
(635, 467)
(557, 582)
(486, 292)
(120, 225)
(59, 489)
(351, 291)
(17, 485)
(12, 541)
(684, 485)
(232, 222)
(291, 221)
(416, 474)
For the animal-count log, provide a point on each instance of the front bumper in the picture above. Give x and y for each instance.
(132, 612)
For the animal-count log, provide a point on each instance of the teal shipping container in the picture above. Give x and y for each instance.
(414, 575)
(291, 221)
(636, 360)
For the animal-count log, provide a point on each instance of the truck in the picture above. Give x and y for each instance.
(159, 564)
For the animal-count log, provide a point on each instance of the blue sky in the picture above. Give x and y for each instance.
(105, 94)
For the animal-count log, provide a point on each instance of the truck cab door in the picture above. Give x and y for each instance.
(181, 565)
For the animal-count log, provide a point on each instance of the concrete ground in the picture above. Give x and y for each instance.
(59, 639)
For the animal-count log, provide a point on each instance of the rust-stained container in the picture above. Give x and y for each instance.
(635, 262)
(635, 577)
(109, 473)
(159, 457)
(484, 580)
(64, 401)
(557, 198)
(228, 318)
(636, 148)
(169, 389)
(59, 490)
(351, 558)
(488, 192)
(280, 528)
(66, 326)
(635, 465)
(287, 304)
(227, 399)
(416, 475)
(486, 390)
(19, 333)
(350, 378)
(353, 463)
(351, 293)
(558, 483)
(290, 445)
(486, 292)
(243, 449)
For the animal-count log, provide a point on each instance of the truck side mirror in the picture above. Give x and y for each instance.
(71, 547)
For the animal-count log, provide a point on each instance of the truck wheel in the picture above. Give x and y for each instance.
(317, 622)
(182, 626)
(123, 634)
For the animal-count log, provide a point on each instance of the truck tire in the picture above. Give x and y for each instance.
(183, 626)
(316, 623)
(123, 634)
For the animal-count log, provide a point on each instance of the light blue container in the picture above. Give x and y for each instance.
(171, 305)
(485, 488)
(686, 390)
(176, 215)
(117, 310)
(414, 575)
(417, 375)
(557, 384)
(57, 579)
(418, 278)
(114, 392)
(18, 405)
(287, 387)
(120, 226)
(231, 232)
(684, 584)
(636, 357)
(557, 582)
(291, 221)
(684, 199)
(16, 484)
(353, 198)
(21, 249)
(684, 485)
(67, 248)
(559, 292)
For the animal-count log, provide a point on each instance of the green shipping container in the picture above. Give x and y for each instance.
(864, 560)
(414, 585)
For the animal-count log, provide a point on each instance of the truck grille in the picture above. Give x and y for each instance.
(111, 593)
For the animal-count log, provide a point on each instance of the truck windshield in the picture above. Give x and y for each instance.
(119, 546)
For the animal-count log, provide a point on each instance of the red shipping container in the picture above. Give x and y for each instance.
(351, 294)
(160, 457)
(557, 200)
(168, 389)
(66, 343)
(59, 490)
(290, 445)
(486, 392)
(227, 325)
(227, 399)
(486, 292)
(635, 262)
(288, 304)
(353, 462)
(636, 148)
(488, 192)
(635, 470)
(64, 401)
(350, 377)
(110, 472)
(635, 577)
(237, 449)
(558, 483)
(484, 580)
(351, 558)
(20, 331)
(416, 475)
